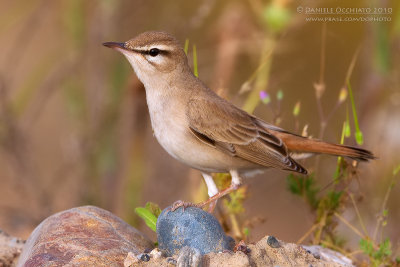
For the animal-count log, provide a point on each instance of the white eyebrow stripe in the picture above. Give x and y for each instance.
(158, 46)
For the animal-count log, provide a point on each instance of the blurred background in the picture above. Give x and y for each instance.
(75, 130)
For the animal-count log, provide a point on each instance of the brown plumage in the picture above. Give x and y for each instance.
(297, 143)
(204, 131)
(239, 134)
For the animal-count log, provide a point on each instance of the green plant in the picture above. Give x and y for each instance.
(149, 214)
(378, 255)
(380, 252)
(305, 187)
(328, 205)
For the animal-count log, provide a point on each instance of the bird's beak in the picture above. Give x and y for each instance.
(115, 45)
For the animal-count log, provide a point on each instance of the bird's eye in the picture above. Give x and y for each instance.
(154, 52)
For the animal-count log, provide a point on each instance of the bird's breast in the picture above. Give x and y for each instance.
(172, 132)
(167, 120)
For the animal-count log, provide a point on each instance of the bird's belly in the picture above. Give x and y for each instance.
(187, 150)
(172, 132)
(181, 144)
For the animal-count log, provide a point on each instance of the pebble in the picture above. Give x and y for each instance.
(192, 227)
(273, 242)
(171, 261)
(144, 257)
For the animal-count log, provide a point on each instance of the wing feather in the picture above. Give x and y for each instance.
(220, 124)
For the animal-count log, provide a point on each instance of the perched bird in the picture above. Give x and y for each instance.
(199, 128)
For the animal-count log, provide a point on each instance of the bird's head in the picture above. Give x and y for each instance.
(153, 55)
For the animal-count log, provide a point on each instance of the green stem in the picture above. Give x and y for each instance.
(358, 133)
(195, 68)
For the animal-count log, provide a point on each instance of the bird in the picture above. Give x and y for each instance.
(205, 131)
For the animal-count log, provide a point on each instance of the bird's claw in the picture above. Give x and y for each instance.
(179, 203)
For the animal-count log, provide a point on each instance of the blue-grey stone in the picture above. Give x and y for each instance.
(192, 227)
(273, 242)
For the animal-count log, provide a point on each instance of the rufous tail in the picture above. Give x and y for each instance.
(296, 143)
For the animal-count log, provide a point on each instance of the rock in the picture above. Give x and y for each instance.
(238, 259)
(90, 236)
(131, 260)
(260, 254)
(83, 236)
(189, 257)
(273, 242)
(327, 254)
(10, 249)
(192, 227)
(266, 253)
(156, 253)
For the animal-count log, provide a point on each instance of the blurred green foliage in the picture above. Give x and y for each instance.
(305, 187)
(378, 256)
(276, 16)
(149, 214)
(74, 21)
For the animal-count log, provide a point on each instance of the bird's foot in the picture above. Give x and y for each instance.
(211, 201)
(179, 203)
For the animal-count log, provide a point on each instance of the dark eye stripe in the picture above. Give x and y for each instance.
(147, 52)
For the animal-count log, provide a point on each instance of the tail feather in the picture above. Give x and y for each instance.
(296, 143)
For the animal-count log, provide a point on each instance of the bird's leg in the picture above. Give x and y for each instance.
(236, 182)
(212, 190)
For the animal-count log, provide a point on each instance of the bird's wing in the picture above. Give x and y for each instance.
(220, 124)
